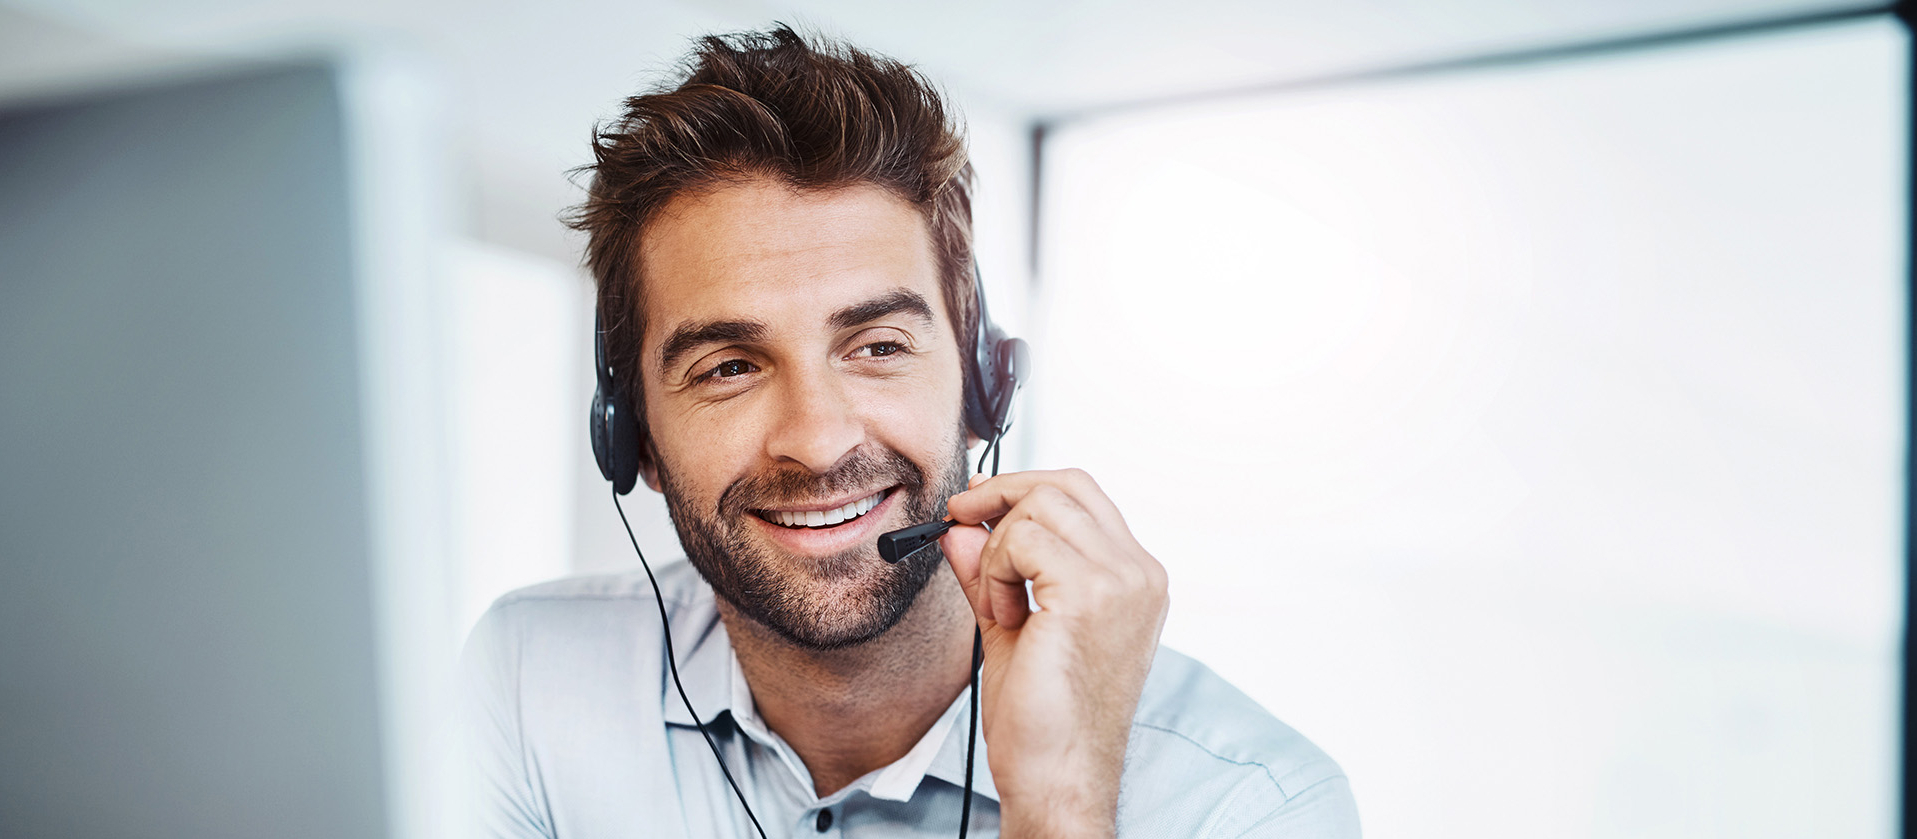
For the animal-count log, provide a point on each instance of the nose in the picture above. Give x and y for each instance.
(816, 424)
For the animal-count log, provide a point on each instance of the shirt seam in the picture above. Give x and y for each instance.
(1262, 767)
(1274, 811)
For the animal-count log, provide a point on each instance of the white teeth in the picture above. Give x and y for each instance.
(816, 518)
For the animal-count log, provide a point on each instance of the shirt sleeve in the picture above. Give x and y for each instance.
(1324, 810)
(502, 788)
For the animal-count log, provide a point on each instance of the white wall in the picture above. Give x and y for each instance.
(1530, 439)
(517, 416)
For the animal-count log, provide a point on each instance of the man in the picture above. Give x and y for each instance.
(783, 253)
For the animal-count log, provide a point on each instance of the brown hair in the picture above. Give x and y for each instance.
(811, 113)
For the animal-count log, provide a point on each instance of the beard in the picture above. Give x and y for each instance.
(816, 603)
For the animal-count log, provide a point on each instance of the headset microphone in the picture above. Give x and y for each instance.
(907, 541)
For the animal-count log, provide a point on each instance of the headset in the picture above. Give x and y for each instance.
(996, 371)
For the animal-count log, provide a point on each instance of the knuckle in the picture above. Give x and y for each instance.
(1020, 535)
(1014, 531)
(1053, 504)
(1155, 573)
(1156, 590)
(1045, 495)
(994, 549)
(1103, 587)
(1000, 569)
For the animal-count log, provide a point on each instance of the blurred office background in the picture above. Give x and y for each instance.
(1514, 389)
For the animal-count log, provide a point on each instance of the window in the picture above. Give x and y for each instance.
(1529, 438)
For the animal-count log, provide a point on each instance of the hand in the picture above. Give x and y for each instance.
(1060, 685)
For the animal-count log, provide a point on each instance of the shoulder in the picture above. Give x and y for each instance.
(587, 620)
(1207, 760)
(553, 672)
(677, 584)
(556, 605)
(1187, 706)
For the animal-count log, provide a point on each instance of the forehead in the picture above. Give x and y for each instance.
(760, 250)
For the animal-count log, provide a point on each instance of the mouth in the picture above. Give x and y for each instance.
(838, 516)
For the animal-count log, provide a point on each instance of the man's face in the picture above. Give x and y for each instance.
(802, 386)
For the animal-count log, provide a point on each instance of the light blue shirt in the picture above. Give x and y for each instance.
(578, 734)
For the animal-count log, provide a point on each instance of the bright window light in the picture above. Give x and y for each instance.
(1530, 439)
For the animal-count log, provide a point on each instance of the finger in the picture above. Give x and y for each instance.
(1066, 518)
(975, 480)
(997, 496)
(962, 546)
(1024, 550)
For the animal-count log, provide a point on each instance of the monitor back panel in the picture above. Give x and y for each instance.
(186, 618)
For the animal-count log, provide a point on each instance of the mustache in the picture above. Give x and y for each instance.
(862, 469)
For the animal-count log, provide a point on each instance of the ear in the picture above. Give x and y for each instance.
(649, 465)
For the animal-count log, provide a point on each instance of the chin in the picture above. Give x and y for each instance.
(840, 608)
(797, 552)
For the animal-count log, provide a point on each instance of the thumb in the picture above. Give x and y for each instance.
(962, 546)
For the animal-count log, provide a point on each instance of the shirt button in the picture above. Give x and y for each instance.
(824, 822)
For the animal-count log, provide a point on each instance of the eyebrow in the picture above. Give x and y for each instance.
(899, 301)
(691, 336)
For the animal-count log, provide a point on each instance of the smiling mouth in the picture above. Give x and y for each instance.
(824, 519)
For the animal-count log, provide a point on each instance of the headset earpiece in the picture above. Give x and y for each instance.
(1011, 363)
(998, 369)
(614, 425)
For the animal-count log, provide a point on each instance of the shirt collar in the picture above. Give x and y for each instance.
(717, 687)
(948, 764)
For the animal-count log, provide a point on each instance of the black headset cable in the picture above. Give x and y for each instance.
(971, 745)
(978, 660)
(666, 627)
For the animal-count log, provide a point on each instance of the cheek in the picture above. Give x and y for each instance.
(916, 415)
(704, 453)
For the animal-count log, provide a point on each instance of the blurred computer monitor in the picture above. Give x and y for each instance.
(200, 544)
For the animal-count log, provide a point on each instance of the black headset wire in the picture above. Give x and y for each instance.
(978, 659)
(990, 451)
(971, 744)
(671, 664)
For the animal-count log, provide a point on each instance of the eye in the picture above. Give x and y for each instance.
(881, 348)
(729, 369)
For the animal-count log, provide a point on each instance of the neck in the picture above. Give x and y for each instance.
(848, 712)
